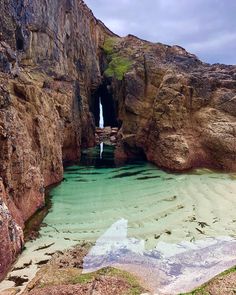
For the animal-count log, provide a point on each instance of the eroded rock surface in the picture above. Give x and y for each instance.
(177, 110)
(49, 64)
(11, 237)
(63, 275)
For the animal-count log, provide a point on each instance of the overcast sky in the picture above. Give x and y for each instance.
(206, 28)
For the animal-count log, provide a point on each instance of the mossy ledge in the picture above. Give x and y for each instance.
(118, 65)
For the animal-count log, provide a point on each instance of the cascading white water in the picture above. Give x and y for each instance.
(101, 124)
(101, 120)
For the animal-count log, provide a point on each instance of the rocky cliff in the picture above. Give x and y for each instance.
(56, 59)
(49, 64)
(174, 109)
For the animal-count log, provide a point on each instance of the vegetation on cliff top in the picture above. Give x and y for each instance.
(118, 65)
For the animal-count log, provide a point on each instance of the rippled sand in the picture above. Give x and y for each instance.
(159, 206)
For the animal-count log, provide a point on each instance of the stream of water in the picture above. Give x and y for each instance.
(151, 221)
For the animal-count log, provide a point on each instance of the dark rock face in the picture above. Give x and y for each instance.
(104, 95)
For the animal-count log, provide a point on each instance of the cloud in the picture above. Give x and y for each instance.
(204, 27)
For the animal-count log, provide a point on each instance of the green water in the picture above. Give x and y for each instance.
(155, 224)
(157, 205)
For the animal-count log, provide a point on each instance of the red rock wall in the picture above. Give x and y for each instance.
(49, 64)
(11, 237)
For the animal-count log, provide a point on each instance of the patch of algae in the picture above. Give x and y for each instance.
(203, 290)
(135, 288)
(73, 276)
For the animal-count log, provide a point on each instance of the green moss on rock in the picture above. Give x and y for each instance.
(203, 290)
(109, 45)
(118, 67)
(198, 291)
(135, 288)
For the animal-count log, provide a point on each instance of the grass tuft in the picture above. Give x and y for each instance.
(135, 288)
(202, 290)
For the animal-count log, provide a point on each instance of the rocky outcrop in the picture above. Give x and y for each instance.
(176, 110)
(106, 135)
(49, 65)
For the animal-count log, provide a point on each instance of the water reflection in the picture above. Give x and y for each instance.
(100, 157)
(101, 150)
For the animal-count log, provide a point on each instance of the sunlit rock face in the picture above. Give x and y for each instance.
(178, 110)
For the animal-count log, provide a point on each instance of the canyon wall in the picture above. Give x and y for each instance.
(49, 64)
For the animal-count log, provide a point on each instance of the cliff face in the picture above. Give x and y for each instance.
(177, 111)
(49, 64)
(56, 58)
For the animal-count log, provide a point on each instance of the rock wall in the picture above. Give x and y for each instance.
(11, 237)
(176, 110)
(49, 64)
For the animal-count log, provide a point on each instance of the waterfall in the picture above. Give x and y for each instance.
(101, 120)
(101, 124)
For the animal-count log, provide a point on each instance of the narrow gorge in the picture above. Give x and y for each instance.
(58, 63)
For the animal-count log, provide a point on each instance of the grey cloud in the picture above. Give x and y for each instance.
(206, 28)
